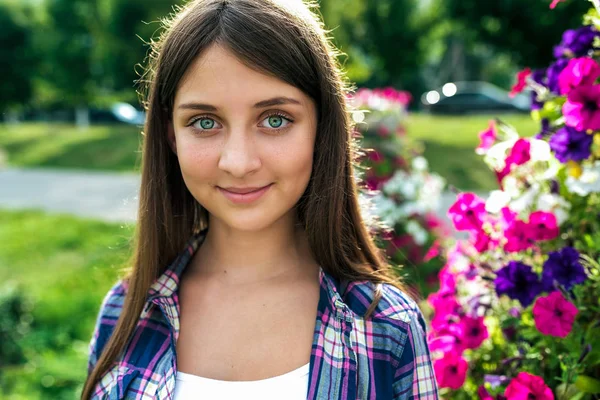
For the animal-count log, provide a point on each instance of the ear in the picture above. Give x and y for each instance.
(171, 136)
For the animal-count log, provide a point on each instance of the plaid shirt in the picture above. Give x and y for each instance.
(383, 357)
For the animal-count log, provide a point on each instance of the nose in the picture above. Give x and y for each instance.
(239, 155)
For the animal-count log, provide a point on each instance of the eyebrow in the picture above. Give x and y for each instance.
(275, 101)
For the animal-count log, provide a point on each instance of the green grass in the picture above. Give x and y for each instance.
(63, 266)
(114, 148)
(449, 141)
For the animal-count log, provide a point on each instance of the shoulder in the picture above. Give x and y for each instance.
(113, 300)
(110, 310)
(397, 318)
(394, 305)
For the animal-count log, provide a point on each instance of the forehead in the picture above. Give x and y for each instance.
(218, 76)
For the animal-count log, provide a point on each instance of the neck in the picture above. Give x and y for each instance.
(235, 256)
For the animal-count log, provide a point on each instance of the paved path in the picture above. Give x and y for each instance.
(100, 195)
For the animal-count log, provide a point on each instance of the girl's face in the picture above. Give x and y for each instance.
(238, 129)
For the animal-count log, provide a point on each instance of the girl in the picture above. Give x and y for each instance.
(254, 275)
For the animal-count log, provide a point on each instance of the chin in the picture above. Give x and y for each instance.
(248, 220)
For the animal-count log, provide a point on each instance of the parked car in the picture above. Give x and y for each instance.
(118, 113)
(473, 97)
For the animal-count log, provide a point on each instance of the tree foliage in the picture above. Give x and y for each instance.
(524, 29)
(17, 56)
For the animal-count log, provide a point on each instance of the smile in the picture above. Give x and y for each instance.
(246, 197)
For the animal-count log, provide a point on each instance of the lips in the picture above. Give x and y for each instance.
(244, 190)
(245, 196)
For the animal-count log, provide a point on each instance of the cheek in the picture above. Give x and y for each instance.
(291, 159)
(196, 159)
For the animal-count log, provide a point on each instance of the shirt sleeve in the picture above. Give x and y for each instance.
(415, 377)
(105, 322)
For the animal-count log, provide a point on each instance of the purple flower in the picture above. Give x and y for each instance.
(576, 42)
(563, 267)
(538, 76)
(545, 129)
(570, 144)
(554, 187)
(553, 73)
(519, 282)
(495, 380)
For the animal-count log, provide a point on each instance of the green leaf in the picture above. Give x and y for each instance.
(587, 384)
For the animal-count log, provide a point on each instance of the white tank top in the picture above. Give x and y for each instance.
(290, 386)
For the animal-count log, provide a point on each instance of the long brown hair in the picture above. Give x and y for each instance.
(285, 39)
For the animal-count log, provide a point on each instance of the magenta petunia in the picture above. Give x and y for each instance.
(487, 138)
(519, 153)
(451, 370)
(517, 237)
(481, 241)
(554, 315)
(474, 332)
(542, 226)
(527, 386)
(521, 82)
(582, 108)
(582, 71)
(468, 212)
(484, 394)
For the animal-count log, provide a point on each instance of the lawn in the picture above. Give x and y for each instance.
(450, 143)
(54, 272)
(449, 146)
(114, 147)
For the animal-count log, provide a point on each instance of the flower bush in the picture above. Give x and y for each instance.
(397, 186)
(517, 315)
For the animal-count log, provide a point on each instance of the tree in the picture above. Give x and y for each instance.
(17, 56)
(526, 30)
(383, 40)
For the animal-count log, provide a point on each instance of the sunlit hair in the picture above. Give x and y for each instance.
(285, 39)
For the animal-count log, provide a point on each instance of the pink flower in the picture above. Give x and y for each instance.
(451, 370)
(481, 241)
(517, 237)
(542, 226)
(581, 71)
(383, 131)
(467, 212)
(433, 251)
(582, 108)
(484, 394)
(554, 3)
(554, 315)
(487, 138)
(519, 154)
(527, 386)
(521, 82)
(375, 156)
(474, 332)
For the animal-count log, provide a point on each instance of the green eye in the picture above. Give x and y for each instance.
(275, 121)
(206, 123)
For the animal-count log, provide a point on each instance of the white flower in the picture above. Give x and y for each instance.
(385, 208)
(526, 200)
(496, 154)
(417, 232)
(420, 164)
(540, 150)
(588, 182)
(511, 186)
(496, 201)
(555, 204)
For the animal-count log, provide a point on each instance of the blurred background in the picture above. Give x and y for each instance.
(70, 131)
